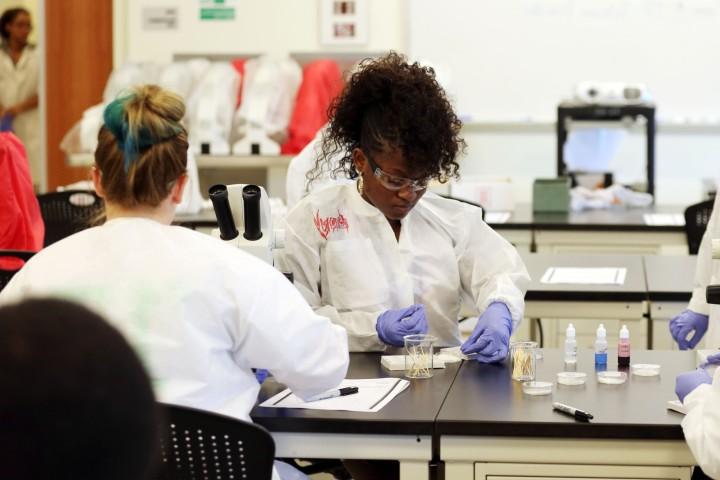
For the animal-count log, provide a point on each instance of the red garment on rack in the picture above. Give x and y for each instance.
(322, 82)
(21, 224)
(239, 66)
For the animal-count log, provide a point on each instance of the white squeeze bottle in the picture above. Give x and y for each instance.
(601, 346)
(570, 345)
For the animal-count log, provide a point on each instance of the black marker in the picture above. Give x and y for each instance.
(338, 392)
(572, 411)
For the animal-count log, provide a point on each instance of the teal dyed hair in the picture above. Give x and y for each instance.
(133, 139)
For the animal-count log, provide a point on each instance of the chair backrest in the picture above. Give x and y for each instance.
(474, 204)
(696, 219)
(10, 262)
(68, 212)
(202, 445)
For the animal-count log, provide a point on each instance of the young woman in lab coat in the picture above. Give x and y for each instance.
(19, 71)
(381, 256)
(200, 313)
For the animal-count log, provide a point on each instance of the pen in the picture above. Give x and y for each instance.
(338, 392)
(572, 411)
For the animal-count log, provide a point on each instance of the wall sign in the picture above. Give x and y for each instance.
(217, 9)
(343, 22)
(160, 18)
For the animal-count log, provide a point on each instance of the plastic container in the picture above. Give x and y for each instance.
(419, 355)
(537, 388)
(571, 378)
(645, 369)
(624, 347)
(601, 346)
(612, 377)
(523, 360)
(570, 345)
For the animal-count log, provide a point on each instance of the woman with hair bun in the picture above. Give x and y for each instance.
(200, 313)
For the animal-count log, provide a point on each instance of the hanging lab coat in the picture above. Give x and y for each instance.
(296, 186)
(18, 82)
(707, 272)
(350, 267)
(701, 425)
(200, 313)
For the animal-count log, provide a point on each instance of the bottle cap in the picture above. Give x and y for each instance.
(601, 332)
(624, 332)
(570, 332)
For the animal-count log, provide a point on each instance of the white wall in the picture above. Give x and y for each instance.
(260, 26)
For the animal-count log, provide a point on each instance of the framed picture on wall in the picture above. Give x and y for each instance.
(343, 22)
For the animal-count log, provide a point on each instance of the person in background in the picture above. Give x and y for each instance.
(700, 394)
(76, 403)
(381, 256)
(19, 76)
(200, 313)
(690, 326)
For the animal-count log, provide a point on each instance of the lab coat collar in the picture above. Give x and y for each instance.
(362, 207)
(119, 220)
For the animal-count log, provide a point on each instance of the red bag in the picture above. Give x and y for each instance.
(322, 82)
(21, 224)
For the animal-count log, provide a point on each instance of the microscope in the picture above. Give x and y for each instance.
(246, 207)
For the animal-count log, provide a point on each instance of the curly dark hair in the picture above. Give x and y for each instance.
(7, 18)
(389, 103)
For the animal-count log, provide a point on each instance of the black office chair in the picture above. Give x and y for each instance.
(7, 274)
(68, 212)
(200, 445)
(474, 204)
(696, 219)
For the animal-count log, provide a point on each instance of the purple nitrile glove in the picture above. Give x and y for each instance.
(261, 374)
(689, 381)
(491, 336)
(393, 325)
(6, 122)
(685, 323)
(713, 359)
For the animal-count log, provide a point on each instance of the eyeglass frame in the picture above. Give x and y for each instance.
(382, 176)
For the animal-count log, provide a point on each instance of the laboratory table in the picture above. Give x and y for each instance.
(669, 284)
(571, 301)
(613, 230)
(489, 428)
(402, 430)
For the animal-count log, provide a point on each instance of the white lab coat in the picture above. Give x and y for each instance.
(707, 272)
(350, 267)
(296, 186)
(701, 425)
(17, 84)
(200, 313)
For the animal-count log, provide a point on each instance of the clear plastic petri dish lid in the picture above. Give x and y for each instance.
(645, 369)
(571, 378)
(612, 377)
(537, 388)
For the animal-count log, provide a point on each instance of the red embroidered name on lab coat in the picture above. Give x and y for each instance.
(325, 226)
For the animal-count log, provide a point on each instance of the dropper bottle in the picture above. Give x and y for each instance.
(624, 347)
(601, 346)
(570, 345)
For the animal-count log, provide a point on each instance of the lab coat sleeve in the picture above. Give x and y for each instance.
(701, 426)
(704, 266)
(304, 261)
(490, 268)
(282, 334)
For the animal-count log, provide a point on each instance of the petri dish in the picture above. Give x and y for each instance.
(612, 377)
(537, 388)
(645, 369)
(571, 378)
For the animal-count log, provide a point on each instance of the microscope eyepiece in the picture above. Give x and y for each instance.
(219, 197)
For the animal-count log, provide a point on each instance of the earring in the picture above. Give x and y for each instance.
(360, 184)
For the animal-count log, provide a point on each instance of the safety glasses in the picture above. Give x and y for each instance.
(391, 182)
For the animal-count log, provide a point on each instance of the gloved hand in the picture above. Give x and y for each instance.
(713, 359)
(686, 322)
(261, 374)
(689, 381)
(491, 336)
(393, 325)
